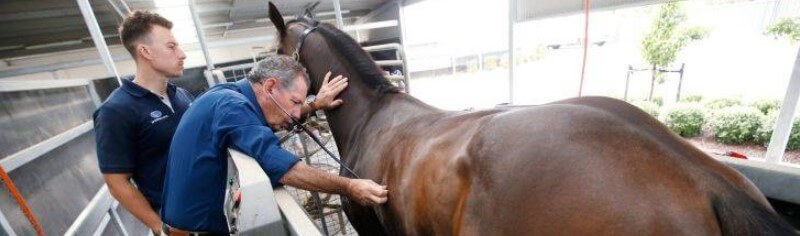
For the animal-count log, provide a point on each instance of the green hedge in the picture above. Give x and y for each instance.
(720, 103)
(767, 106)
(659, 101)
(686, 119)
(692, 98)
(764, 134)
(736, 125)
(649, 107)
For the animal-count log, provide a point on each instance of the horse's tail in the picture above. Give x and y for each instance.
(738, 214)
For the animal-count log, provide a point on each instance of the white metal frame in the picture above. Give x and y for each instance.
(401, 18)
(96, 215)
(25, 85)
(97, 38)
(783, 126)
(6, 226)
(512, 18)
(29, 154)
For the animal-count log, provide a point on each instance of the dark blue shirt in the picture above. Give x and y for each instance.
(133, 130)
(227, 116)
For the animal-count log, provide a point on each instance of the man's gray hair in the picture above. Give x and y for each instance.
(281, 67)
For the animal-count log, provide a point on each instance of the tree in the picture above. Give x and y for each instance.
(661, 45)
(788, 28)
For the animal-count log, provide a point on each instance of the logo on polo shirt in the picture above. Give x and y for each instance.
(157, 116)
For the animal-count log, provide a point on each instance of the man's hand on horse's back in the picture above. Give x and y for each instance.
(325, 98)
(367, 192)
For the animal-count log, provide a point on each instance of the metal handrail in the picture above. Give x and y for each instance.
(29, 154)
(26, 85)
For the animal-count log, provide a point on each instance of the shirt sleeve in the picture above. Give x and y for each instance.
(114, 141)
(237, 126)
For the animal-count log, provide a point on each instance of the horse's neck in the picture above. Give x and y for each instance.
(361, 102)
(363, 107)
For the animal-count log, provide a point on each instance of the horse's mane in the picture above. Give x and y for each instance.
(370, 74)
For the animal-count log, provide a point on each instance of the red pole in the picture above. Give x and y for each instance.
(21, 201)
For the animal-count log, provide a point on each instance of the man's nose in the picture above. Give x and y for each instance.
(296, 111)
(181, 54)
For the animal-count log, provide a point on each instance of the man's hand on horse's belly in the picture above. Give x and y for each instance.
(366, 192)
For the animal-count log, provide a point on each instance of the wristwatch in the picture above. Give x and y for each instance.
(310, 101)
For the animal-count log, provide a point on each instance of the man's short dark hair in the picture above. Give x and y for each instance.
(137, 25)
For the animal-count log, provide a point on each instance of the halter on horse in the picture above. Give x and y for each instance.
(588, 165)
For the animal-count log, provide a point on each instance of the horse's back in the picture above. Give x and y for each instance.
(593, 165)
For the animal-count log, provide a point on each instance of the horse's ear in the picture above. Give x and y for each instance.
(277, 20)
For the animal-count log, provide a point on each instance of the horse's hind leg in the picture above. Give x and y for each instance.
(362, 218)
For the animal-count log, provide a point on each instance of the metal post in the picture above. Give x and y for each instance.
(125, 5)
(512, 17)
(93, 93)
(6, 227)
(201, 36)
(627, 82)
(480, 61)
(453, 65)
(117, 220)
(97, 38)
(337, 8)
(680, 82)
(652, 83)
(783, 126)
(116, 8)
(402, 21)
(314, 195)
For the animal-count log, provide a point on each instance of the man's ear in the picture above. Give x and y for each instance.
(144, 52)
(270, 84)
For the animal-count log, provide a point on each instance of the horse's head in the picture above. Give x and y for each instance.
(321, 47)
(290, 33)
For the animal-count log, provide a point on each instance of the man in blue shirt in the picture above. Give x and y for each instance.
(241, 116)
(134, 127)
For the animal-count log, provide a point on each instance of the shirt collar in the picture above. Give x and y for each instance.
(247, 90)
(134, 89)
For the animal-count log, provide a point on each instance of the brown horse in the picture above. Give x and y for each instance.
(581, 166)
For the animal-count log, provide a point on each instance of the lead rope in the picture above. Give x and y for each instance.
(21, 202)
(298, 125)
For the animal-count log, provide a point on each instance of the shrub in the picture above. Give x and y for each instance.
(767, 106)
(794, 136)
(692, 98)
(720, 103)
(736, 125)
(649, 107)
(659, 101)
(764, 134)
(686, 119)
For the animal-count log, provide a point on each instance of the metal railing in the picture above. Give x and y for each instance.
(102, 208)
(324, 209)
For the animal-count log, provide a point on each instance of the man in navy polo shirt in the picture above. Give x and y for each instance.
(242, 116)
(134, 127)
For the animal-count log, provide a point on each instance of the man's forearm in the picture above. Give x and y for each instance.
(304, 177)
(133, 201)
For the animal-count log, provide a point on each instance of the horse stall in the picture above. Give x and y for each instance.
(62, 59)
